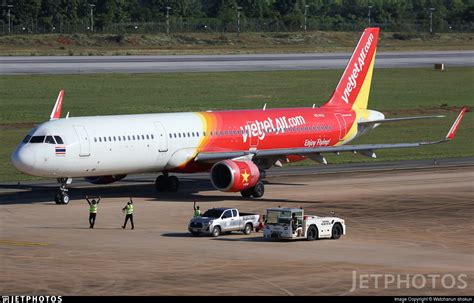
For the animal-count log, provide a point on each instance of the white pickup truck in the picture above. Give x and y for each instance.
(292, 223)
(221, 220)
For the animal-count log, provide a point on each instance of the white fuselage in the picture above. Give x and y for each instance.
(107, 145)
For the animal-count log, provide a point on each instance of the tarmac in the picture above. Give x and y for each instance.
(413, 225)
(10, 65)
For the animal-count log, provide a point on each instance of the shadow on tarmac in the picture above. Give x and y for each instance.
(188, 192)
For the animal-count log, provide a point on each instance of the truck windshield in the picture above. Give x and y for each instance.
(213, 213)
(278, 216)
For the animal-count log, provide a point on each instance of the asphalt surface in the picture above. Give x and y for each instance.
(409, 232)
(21, 191)
(210, 63)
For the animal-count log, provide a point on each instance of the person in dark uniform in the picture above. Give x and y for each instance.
(93, 205)
(128, 209)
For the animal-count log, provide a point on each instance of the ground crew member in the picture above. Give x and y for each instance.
(197, 211)
(92, 210)
(128, 209)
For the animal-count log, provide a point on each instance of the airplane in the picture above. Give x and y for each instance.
(236, 147)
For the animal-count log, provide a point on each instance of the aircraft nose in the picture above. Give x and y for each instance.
(24, 159)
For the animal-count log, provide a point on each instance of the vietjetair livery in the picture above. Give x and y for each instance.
(236, 147)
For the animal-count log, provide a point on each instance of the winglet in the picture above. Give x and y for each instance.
(56, 113)
(455, 126)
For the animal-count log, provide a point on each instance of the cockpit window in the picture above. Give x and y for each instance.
(27, 139)
(37, 139)
(50, 140)
(59, 140)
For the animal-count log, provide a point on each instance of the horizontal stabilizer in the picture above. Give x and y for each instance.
(400, 119)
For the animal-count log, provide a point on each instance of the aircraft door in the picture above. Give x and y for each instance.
(84, 143)
(254, 140)
(342, 125)
(162, 137)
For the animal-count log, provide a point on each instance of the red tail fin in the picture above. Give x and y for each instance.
(354, 86)
(56, 112)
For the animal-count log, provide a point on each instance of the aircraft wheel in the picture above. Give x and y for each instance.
(64, 198)
(57, 198)
(258, 190)
(173, 184)
(161, 183)
(246, 193)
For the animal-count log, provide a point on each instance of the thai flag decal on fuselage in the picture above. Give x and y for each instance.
(60, 150)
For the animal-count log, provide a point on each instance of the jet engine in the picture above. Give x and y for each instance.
(105, 179)
(234, 176)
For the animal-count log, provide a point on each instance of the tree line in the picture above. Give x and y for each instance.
(100, 15)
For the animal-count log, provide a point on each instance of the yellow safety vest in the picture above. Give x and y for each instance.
(197, 213)
(93, 209)
(129, 209)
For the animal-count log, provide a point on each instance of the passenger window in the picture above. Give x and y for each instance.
(58, 140)
(37, 139)
(120, 138)
(50, 140)
(27, 139)
(179, 135)
(95, 139)
(171, 136)
(204, 133)
(105, 139)
(234, 213)
(189, 135)
(227, 214)
(110, 139)
(128, 138)
(133, 137)
(152, 137)
(100, 139)
(115, 139)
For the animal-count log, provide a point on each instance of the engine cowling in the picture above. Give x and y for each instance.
(105, 179)
(233, 176)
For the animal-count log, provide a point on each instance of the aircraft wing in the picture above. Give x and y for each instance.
(364, 149)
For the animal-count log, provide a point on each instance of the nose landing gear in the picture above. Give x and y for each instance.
(62, 197)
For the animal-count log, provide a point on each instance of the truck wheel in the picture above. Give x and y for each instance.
(258, 190)
(216, 231)
(336, 231)
(195, 233)
(248, 229)
(312, 233)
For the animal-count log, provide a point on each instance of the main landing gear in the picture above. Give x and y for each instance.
(256, 192)
(165, 182)
(62, 197)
